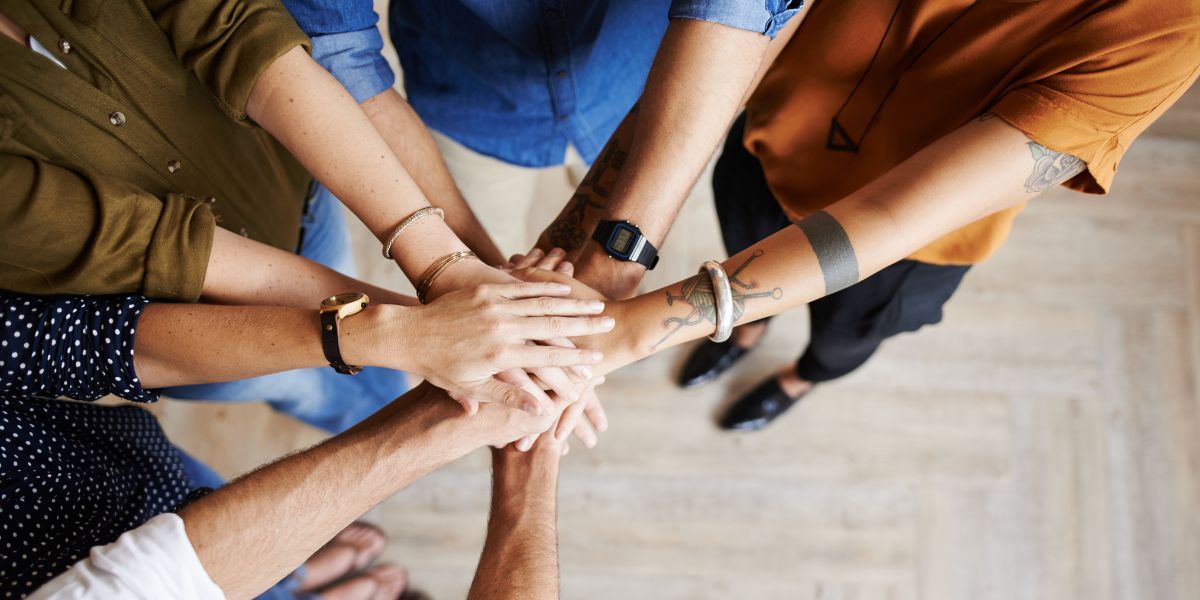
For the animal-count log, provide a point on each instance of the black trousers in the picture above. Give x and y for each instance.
(847, 326)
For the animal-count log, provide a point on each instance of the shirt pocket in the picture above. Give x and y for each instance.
(129, 38)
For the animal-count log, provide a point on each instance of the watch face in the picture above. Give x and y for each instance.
(622, 240)
(346, 298)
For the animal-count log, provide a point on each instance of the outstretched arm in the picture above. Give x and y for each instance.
(520, 555)
(317, 120)
(979, 169)
(254, 531)
(702, 74)
(408, 138)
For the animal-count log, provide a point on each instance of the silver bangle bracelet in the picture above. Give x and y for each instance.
(722, 300)
(409, 222)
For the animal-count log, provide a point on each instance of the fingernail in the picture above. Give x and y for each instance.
(524, 444)
(597, 357)
(607, 322)
(533, 408)
(563, 288)
(595, 306)
(586, 371)
(535, 252)
(556, 252)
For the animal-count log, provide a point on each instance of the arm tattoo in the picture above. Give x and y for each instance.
(835, 254)
(567, 231)
(697, 292)
(1050, 168)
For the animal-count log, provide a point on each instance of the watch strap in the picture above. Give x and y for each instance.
(330, 345)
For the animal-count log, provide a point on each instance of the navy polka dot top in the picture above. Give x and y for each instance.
(74, 475)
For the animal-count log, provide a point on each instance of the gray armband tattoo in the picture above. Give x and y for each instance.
(835, 254)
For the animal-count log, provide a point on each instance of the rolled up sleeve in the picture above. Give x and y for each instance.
(228, 43)
(67, 233)
(355, 58)
(761, 16)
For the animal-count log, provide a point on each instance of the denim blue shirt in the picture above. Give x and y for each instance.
(517, 81)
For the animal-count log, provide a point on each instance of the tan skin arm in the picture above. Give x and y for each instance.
(408, 138)
(701, 76)
(983, 167)
(462, 338)
(317, 120)
(254, 531)
(520, 555)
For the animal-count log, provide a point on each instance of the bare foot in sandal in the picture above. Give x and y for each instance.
(352, 549)
(381, 582)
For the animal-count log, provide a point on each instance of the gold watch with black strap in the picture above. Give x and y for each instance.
(333, 310)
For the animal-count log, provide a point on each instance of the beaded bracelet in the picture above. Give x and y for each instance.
(432, 273)
(409, 222)
(722, 300)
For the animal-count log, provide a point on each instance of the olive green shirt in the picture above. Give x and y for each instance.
(115, 171)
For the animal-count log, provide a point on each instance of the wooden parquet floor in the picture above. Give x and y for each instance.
(1043, 442)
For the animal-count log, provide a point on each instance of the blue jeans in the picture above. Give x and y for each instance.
(320, 397)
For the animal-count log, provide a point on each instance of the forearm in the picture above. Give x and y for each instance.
(310, 113)
(245, 272)
(254, 531)
(978, 170)
(225, 343)
(520, 555)
(696, 85)
(410, 141)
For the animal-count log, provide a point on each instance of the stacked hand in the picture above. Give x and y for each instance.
(505, 343)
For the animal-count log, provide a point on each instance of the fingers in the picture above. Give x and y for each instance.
(552, 260)
(529, 289)
(561, 307)
(585, 433)
(547, 328)
(581, 371)
(567, 388)
(513, 388)
(594, 411)
(568, 421)
(468, 402)
(524, 261)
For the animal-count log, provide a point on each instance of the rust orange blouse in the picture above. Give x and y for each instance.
(862, 86)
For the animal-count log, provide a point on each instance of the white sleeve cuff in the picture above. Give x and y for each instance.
(153, 561)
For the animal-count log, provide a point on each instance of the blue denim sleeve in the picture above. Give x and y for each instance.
(355, 58)
(762, 16)
(80, 347)
(320, 17)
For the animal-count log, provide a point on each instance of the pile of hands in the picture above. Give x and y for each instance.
(523, 351)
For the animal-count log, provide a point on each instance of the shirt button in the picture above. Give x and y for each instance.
(210, 201)
(560, 74)
(65, 46)
(174, 165)
(562, 117)
(551, 13)
(116, 118)
(243, 232)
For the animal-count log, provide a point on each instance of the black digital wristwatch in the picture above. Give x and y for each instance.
(623, 240)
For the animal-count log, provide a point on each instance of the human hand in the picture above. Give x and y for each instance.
(554, 260)
(463, 339)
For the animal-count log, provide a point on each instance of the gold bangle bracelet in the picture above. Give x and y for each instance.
(432, 273)
(409, 222)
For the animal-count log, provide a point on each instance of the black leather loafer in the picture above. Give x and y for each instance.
(708, 361)
(758, 408)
